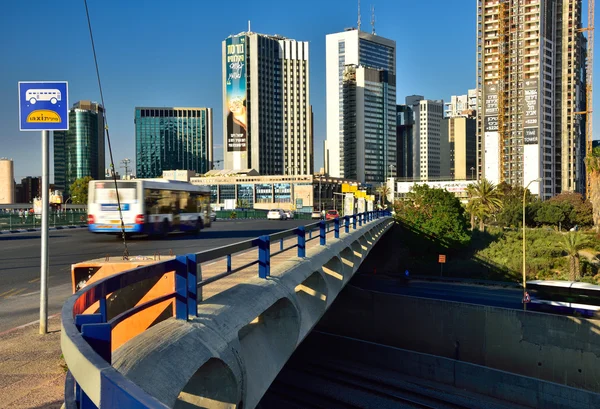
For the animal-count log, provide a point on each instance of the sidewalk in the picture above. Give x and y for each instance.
(32, 373)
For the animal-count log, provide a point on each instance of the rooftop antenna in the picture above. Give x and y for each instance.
(373, 20)
(249, 26)
(358, 15)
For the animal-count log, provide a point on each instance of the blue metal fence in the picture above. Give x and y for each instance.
(90, 334)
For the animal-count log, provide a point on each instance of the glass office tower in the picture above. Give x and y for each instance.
(79, 152)
(173, 138)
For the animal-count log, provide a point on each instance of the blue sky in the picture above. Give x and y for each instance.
(168, 53)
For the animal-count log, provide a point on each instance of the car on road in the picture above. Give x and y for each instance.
(213, 216)
(276, 214)
(289, 214)
(316, 215)
(331, 214)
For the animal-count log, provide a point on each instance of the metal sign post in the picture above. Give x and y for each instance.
(44, 106)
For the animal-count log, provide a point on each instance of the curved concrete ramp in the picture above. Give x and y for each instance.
(228, 356)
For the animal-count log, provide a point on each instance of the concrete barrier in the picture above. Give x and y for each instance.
(242, 337)
(560, 349)
(506, 386)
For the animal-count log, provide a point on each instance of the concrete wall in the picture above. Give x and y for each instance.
(559, 349)
(515, 389)
(243, 336)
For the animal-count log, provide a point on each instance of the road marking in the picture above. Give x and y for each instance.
(34, 280)
(6, 293)
(19, 291)
(26, 325)
(32, 293)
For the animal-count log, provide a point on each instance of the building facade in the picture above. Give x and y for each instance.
(173, 138)
(367, 147)
(7, 181)
(405, 121)
(460, 105)
(361, 77)
(460, 132)
(79, 152)
(267, 121)
(531, 82)
(31, 187)
(429, 148)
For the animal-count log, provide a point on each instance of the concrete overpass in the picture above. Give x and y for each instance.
(236, 319)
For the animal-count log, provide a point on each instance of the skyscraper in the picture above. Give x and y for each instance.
(367, 97)
(531, 82)
(267, 122)
(429, 149)
(405, 122)
(169, 138)
(79, 152)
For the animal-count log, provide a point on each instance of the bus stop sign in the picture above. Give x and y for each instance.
(43, 106)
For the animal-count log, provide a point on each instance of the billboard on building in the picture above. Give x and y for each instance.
(491, 133)
(531, 123)
(490, 108)
(236, 95)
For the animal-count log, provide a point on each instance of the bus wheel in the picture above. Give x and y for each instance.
(165, 229)
(199, 226)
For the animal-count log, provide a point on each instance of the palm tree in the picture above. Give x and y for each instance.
(593, 167)
(384, 191)
(484, 200)
(571, 244)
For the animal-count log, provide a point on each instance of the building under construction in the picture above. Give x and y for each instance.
(531, 83)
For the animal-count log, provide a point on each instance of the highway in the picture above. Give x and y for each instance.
(20, 260)
(495, 296)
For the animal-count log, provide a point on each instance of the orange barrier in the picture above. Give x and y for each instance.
(87, 272)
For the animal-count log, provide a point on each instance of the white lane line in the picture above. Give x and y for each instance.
(26, 325)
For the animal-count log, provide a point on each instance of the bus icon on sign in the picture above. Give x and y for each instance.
(35, 95)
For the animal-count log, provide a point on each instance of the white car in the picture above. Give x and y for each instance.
(289, 214)
(276, 214)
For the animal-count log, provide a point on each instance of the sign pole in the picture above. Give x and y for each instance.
(44, 236)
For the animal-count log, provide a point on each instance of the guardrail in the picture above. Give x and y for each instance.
(13, 221)
(86, 338)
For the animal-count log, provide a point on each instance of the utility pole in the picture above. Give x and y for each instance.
(125, 163)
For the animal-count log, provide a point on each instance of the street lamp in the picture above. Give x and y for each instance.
(472, 170)
(524, 263)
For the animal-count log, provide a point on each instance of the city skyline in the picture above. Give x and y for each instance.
(143, 75)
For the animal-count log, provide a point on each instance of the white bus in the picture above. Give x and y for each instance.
(34, 95)
(149, 206)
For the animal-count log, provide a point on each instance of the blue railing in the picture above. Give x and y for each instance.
(88, 336)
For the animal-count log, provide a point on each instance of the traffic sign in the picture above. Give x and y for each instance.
(43, 106)
(442, 258)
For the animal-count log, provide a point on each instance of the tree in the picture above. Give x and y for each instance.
(553, 213)
(578, 210)
(486, 198)
(384, 192)
(593, 168)
(436, 212)
(572, 243)
(79, 190)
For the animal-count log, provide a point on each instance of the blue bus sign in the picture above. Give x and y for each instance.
(43, 106)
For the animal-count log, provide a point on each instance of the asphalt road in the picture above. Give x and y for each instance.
(466, 293)
(20, 260)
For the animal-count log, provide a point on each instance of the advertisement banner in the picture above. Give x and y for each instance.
(348, 204)
(490, 108)
(531, 109)
(235, 104)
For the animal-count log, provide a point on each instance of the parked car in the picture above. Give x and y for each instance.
(331, 214)
(276, 214)
(289, 214)
(213, 216)
(316, 215)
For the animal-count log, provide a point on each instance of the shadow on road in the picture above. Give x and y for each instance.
(18, 237)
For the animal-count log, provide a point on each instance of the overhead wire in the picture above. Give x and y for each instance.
(112, 163)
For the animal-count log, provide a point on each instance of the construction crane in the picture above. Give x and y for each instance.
(588, 91)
